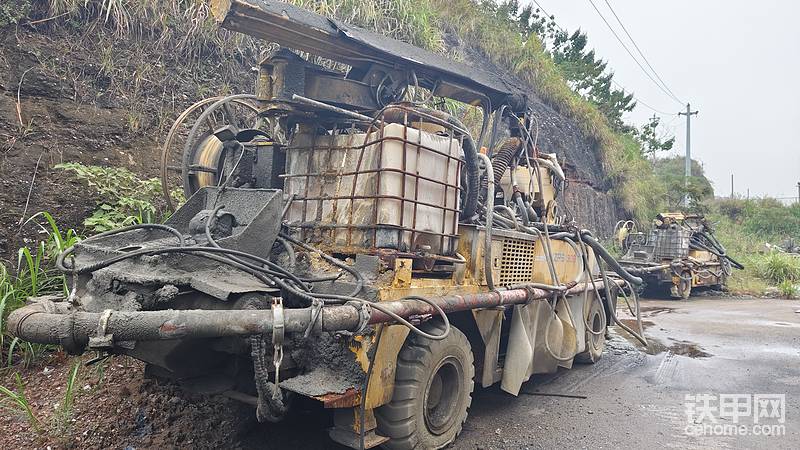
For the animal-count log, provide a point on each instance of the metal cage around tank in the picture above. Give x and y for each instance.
(375, 185)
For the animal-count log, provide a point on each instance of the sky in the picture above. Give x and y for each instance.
(737, 62)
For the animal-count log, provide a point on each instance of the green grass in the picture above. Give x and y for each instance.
(34, 276)
(16, 400)
(19, 401)
(744, 227)
(779, 268)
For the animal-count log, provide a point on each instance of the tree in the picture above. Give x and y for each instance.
(670, 172)
(585, 73)
(651, 140)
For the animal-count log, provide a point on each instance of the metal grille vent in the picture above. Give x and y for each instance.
(516, 264)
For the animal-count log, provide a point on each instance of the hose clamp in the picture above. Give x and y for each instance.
(102, 340)
(278, 328)
(364, 314)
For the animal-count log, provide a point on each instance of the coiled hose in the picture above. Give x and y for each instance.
(502, 159)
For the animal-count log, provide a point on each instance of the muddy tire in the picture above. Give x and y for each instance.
(685, 285)
(595, 342)
(433, 390)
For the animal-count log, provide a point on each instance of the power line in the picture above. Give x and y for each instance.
(638, 100)
(548, 15)
(630, 53)
(640, 52)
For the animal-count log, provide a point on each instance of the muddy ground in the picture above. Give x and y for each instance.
(634, 397)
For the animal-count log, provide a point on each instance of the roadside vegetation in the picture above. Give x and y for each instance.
(760, 233)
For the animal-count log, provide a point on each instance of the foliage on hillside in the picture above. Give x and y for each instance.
(745, 227)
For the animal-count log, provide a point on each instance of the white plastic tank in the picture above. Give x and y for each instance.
(385, 208)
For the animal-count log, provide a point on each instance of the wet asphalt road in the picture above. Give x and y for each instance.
(705, 345)
(635, 397)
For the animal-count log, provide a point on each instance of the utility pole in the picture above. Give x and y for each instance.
(688, 158)
(798, 192)
(732, 185)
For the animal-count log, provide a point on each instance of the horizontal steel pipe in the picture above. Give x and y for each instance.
(48, 322)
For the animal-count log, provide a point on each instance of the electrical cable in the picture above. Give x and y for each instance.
(636, 60)
(638, 100)
(640, 51)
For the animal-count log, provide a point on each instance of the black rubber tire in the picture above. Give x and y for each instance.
(685, 286)
(425, 368)
(595, 343)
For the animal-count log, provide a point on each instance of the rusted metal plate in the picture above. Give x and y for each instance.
(350, 398)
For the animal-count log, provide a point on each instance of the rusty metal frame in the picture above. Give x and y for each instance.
(374, 140)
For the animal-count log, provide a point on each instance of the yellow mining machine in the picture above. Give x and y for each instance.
(344, 241)
(678, 254)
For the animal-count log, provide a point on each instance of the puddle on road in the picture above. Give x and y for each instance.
(681, 348)
(656, 310)
(655, 347)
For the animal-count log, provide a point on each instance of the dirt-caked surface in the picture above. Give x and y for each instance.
(634, 397)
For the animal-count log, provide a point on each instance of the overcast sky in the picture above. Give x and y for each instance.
(737, 62)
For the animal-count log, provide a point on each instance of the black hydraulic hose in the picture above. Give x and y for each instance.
(603, 253)
(473, 172)
(502, 159)
(523, 211)
(531, 212)
(276, 269)
(487, 250)
(331, 260)
(696, 245)
(155, 226)
(486, 106)
(613, 313)
(493, 137)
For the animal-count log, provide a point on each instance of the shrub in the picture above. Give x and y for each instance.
(125, 199)
(780, 267)
(787, 289)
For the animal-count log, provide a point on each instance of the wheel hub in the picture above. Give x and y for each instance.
(442, 396)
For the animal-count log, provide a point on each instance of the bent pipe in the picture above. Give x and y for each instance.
(47, 322)
(603, 253)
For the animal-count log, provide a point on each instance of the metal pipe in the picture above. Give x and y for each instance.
(487, 246)
(48, 322)
(331, 108)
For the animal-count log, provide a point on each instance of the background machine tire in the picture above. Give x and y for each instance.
(433, 390)
(685, 285)
(595, 342)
